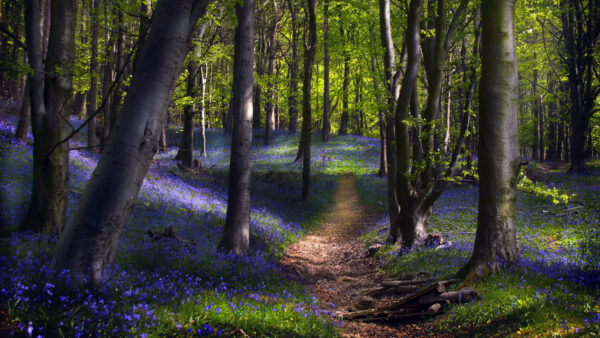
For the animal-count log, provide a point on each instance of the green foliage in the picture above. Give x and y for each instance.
(556, 195)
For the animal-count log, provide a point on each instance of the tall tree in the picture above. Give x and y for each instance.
(91, 237)
(236, 235)
(310, 49)
(271, 53)
(293, 67)
(326, 102)
(495, 241)
(422, 169)
(93, 93)
(581, 32)
(50, 93)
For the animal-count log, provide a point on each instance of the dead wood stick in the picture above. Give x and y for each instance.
(405, 282)
(454, 296)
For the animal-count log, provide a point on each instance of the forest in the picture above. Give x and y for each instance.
(299, 168)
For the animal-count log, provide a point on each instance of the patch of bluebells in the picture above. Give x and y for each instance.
(147, 274)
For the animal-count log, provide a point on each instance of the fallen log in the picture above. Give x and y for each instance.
(434, 309)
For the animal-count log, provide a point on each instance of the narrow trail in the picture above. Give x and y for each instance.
(333, 264)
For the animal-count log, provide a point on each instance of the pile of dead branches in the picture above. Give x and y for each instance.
(421, 302)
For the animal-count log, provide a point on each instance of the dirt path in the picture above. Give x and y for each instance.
(333, 264)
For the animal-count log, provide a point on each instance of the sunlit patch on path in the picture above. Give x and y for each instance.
(334, 264)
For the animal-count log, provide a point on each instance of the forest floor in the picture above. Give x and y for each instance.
(333, 263)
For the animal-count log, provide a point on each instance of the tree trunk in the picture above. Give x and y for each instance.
(345, 91)
(326, 102)
(536, 116)
(119, 57)
(271, 51)
(495, 241)
(403, 187)
(91, 237)
(293, 96)
(50, 95)
(203, 79)
(310, 50)
(106, 85)
(24, 113)
(236, 236)
(93, 93)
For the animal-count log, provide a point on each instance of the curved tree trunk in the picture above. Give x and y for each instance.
(90, 240)
(236, 236)
(495, 241)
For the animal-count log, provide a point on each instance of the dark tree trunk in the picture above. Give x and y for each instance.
(106, 85)
(345, 91)
(326, 102)
(536, 116)
(50, 95)
(581, 32)
(293, 96)
(495, 241)
(119, 57)
(389, 60)
(24, 113)
(91, 237)
(236, 236)
(402, 140)
(310, 50)
(186, 146)
(93, 93)
(271, 51)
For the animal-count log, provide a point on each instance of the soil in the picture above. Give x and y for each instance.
(333, 264)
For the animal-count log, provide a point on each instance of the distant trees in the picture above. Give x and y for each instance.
(581, 36)
(91, 237)
(236, 236)
(50, 85)
(495, 241)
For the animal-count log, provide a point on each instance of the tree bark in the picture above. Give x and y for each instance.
(495, 240)
(90, 240)
(345, 90)
(24, 113)
(293, 96)
(93, 93)
(310, 50)
(236, 236)
(326, 102)
(50, 95)
(271, 51)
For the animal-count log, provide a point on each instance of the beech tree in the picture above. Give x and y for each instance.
(236, 235)
(495, 240)
(50, 94)
(422, 168)
(91, 237)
